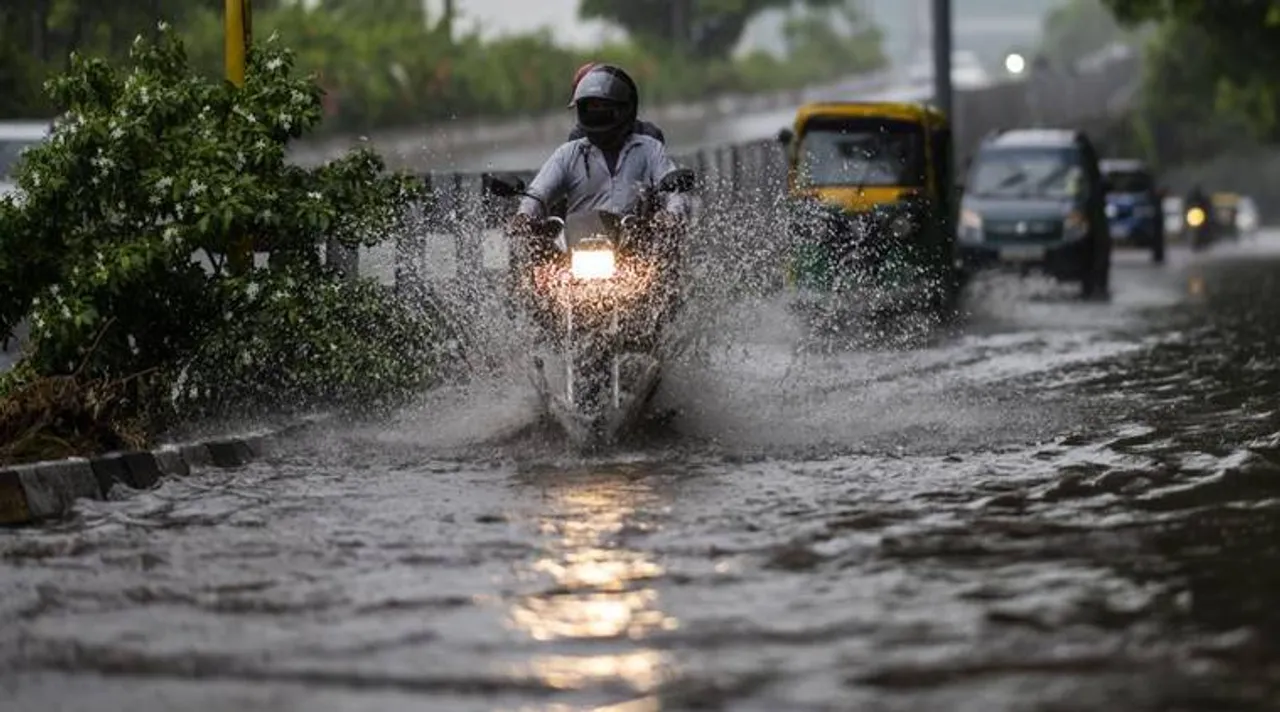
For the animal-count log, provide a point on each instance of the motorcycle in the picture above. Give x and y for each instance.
(605, 289)
(1199, 228)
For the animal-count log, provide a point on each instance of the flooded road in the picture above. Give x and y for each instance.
(1051, 505)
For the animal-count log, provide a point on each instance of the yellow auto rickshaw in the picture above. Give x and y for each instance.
(870, 190)
(1226, 206)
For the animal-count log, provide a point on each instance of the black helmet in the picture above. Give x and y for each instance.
(607, 102)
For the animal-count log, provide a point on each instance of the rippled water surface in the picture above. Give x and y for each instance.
(1053, 505)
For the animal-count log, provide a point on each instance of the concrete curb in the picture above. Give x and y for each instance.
(44, 490)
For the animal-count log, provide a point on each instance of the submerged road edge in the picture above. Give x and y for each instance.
(37, 491)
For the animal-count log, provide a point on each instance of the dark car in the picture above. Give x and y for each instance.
(1134, 205)
(1035, 199)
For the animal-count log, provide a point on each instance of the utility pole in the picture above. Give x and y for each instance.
(448, 18)
(237, 32)
(942, 93)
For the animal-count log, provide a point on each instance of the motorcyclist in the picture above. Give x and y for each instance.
(643, 127)
(604, 170)
(1197, 198)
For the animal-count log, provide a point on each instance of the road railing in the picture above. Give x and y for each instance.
(741, 183)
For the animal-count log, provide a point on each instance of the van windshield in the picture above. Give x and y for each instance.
(1130, 182)
(1026, 173)
(861, 151)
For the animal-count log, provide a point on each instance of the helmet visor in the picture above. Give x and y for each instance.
(600, 114)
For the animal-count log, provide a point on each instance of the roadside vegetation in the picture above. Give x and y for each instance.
(384, 63)
(118, 248)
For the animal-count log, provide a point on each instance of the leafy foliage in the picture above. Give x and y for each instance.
(148, 167)
(287, 340)
(703, 28)
(1239, 44)
(1077, 28)
(383, 63)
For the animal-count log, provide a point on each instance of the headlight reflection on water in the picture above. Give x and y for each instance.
(598, 592)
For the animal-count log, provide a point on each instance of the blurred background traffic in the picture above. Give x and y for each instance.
(472, 84)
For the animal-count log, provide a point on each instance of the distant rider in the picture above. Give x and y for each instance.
(1197, 198)
(643, 127)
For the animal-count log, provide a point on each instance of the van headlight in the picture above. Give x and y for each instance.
(970, 225)
(1075, 226)
(592, 264)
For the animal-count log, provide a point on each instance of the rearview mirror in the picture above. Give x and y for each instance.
(503, 186)
(785, 136)
(681, 180)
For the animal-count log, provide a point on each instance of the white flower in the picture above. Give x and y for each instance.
(297, 97)
(197, 188)
(117, 133)
(274, 64)
(170, 235)
(162, 26)
(314, 195)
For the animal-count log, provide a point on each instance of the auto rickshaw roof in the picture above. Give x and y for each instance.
(901, 110)
(1225, 199)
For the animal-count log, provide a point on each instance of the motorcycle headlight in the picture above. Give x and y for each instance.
(970, 219)
(592, 264)
(1196, 217)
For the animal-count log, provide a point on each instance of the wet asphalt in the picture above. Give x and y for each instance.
(1049, 504)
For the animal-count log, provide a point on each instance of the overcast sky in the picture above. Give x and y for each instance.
(1018, 20)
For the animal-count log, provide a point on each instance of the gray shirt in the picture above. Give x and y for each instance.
(577, 170)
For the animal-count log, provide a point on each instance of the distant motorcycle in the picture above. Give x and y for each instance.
(1198, 227)
(608, 290)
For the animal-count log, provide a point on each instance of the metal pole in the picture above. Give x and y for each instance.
(942, 94)
(236, 23)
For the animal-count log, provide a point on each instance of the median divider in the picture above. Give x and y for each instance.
(46, 490)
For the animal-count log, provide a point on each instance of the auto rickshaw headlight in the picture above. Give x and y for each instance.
(902, 226)
(1195, 217)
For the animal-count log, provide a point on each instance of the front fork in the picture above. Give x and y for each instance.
(592, 364)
